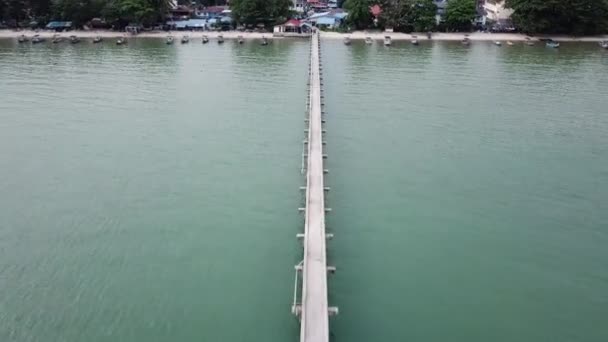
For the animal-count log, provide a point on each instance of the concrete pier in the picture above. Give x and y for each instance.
(313, 309)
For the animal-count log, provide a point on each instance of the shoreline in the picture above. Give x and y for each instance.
(473, 36)
(357, 35)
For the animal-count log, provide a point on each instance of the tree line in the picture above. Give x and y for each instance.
(120, 12)
(530, 16)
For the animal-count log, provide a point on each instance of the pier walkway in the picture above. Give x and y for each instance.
(313, 308)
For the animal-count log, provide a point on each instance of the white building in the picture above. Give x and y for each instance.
(496, 12)
(299, 6)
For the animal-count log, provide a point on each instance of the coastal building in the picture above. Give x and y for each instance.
(441, 6)
(292, 27)
(59, 26)
(496, 14)
(299, 6)
(329, 19)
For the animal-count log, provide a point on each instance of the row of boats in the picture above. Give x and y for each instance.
(388, 41)
(466, 41)
(220, 40)
(71, 39)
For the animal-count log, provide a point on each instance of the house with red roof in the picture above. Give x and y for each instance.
(293, 27)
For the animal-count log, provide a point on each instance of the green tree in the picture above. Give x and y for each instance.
(408, 15)
(560, 16)
(267, 12)
(424, 12)
(459, 14)
(359, 14)
(77, 11)
(130, 11)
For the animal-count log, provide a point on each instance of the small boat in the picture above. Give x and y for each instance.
(97, 39)
(552, 44)
(185, 39)
(37, 39)
(205, 40)
(220, 39)
(264, 41)
(22, 38)
(368, 40)
(388, 41)
(429, 35)
(604, 44)
(497, 43)
(240, 39)
(121, 41)
(347, 41)
(57, 39)
(74, 40)
(529, 41)
(414, 40)
(466, 41)
(510, 43)
(169, 40)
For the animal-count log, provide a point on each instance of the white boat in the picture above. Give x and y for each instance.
(414, 40)
(529, 41)
(264, 41)
(22, 38)
(185, 39)
(387, 41)
(368, 40)
(346, 41)
(37, 39)
(497, 43)
(74, 40)
(552, 44)
(240, 39)
(466, 41)
(97, 39)
(510, 43)
(169, 40)
(220, 39)
(205, 40)
(121, 41)
(604, 44)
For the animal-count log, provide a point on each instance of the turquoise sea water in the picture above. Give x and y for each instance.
(150, 192)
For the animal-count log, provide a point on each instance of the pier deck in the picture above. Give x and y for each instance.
(314, 308)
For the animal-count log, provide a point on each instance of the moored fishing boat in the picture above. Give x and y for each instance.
(604, 44)
(37, 39)
(169, 40)
(74, 40)
(552, 44)
(368, 40)
(347, 41)
(240, 39)
(388, 41)
(264, 41)
(205, 39)
(97, 40)
(22, 38)
(466, 41)
(529, 41)
(497, 43)
(121, 41)
(185, 39)
(414, 40)
(510, 43)
(220, 39)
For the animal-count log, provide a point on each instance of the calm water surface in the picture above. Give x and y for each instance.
(149, 192)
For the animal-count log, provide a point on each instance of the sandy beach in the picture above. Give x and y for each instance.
(376, 35)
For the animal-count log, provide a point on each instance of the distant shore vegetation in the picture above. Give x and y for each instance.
(580, 17)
